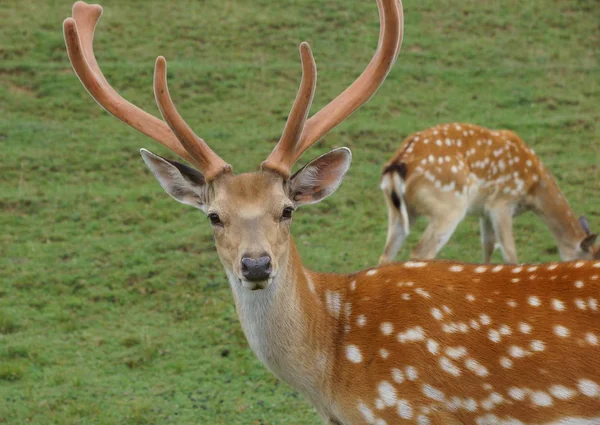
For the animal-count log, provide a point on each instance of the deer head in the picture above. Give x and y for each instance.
(250, 213)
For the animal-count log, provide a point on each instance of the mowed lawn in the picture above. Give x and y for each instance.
(114, 308)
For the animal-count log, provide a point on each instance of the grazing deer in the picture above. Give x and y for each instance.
(413, 343)
(451, 170)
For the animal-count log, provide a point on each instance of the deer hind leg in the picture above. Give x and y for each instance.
(436, 235)
(396, 234)
(488, 238)
(502, 222)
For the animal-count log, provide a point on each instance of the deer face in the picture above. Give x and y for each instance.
(251, 214)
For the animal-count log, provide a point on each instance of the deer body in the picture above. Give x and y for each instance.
(449, 171)
(434, 342)
(415, 343)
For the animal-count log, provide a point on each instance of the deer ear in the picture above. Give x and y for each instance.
(183, 183)
(587, 244)
(585, 225)
(320, 178)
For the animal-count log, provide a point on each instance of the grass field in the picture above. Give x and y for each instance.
(114, 308)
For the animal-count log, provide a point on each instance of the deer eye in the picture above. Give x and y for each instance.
(287, 213)
(214, 219)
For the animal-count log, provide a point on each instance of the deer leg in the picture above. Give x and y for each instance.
(488, 238)
(502, 222)
(436, 235)
(396, 235)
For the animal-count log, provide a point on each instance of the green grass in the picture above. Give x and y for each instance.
(113, 305)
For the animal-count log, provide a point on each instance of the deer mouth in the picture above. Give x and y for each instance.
(257, 285)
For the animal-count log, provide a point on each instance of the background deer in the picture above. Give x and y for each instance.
(451, 170)
(413, 343)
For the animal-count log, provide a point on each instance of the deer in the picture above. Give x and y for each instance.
(453, 170)
(419, 342)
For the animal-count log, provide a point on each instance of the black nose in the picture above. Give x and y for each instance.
(256, 270)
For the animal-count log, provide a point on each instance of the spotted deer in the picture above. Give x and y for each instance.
(413, 343)
(450, 171)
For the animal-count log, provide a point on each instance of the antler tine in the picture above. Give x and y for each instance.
(282, 159)
(364, 87)
(79, 38)
(207, 160)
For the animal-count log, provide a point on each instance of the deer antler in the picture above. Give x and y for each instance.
(79, 38)
(300, 134)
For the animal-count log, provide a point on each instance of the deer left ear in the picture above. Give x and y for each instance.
(320, 178)
(587, 244)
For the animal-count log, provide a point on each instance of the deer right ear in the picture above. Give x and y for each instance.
(183, 183)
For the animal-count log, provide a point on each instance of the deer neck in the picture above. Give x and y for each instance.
(554, 209)
(287, 326)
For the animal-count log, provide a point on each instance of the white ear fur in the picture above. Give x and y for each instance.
(321, 177)
(183, 183)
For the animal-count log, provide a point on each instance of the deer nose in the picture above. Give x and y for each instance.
(256, 269)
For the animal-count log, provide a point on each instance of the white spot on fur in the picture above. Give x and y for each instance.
(411, 335)
(496, 269)
(537, 345)
(516, 393)
(541, 398)
(423, 420)
(366, 412)
(411, 373)
(437, 314)
(387, 392)
(516, 351)
(591, 338)
(361, 320)
(397, 376)
(371, 272)
(384, 353)
(476, 367)
(534, 301)
(558, 305)
(561, 331)
(480, 269)
(561, 392)
(432, 346)
(505, 362)
(353, 353)
(494, 335)
(433, 392)
(448, 366)
(525, 327)
(422, 293)
(334, 303)
(456, 268)
(386, 328)
(405, 410)
(588, 387)
(456, 352)
(579, 284)
(484, 319)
